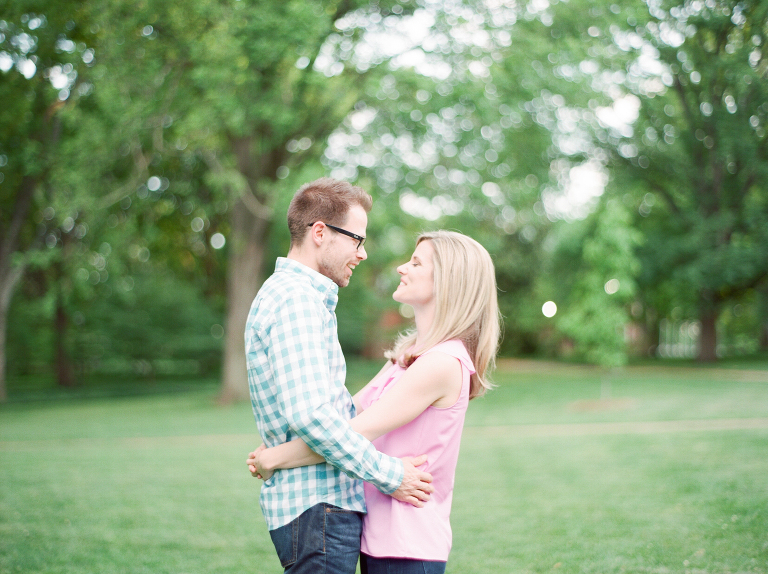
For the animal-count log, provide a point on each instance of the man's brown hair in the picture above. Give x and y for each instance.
(325, 199)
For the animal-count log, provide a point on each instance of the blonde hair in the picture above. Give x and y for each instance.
(466, 306)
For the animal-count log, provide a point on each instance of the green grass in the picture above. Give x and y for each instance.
(550, 479)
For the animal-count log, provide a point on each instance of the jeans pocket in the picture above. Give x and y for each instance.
(286, 541)
(343, 529)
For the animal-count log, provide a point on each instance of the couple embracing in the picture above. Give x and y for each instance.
(369, 476)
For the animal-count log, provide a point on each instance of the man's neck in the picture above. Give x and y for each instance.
(304, 258)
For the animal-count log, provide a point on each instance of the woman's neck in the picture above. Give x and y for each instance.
(423, 316)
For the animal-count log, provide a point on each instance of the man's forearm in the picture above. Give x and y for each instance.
(332, 438)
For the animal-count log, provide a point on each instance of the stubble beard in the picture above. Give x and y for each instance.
(330, 269)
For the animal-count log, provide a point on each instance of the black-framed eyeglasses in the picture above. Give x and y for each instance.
(359, 238)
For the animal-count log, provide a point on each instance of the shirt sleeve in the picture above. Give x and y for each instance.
(298, 354)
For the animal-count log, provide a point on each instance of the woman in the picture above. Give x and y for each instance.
(416, 404)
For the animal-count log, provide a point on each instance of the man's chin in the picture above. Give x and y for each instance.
(342, 281)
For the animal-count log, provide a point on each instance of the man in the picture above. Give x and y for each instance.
(296, 374)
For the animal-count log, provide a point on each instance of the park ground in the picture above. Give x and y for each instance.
(657, 468)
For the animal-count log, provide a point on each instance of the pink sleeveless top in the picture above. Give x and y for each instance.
(394, 529)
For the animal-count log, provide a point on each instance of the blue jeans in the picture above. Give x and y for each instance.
(371, 565)
(325, 539)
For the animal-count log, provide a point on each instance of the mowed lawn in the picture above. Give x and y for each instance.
(563, 469)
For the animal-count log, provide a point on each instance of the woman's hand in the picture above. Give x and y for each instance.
(255, 466)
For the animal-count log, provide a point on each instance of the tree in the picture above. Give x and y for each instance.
(699, 147)
(595, 266)
(464, 134)
(43, 49)
(251, 92)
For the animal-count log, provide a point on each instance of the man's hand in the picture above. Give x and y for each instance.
(416, 487)
(254, 466)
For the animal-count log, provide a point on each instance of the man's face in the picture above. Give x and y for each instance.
(340, 254)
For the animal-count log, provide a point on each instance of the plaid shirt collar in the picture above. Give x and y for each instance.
(322, 284)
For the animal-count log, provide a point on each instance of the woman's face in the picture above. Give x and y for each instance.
(417, 283)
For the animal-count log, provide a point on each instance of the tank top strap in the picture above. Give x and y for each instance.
(455, 348)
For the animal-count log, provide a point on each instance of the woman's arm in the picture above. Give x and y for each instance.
(432, 378)
(264, 461)
(429, 379)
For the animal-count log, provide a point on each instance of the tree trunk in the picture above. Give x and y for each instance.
(244, 277)
(61, 323)
(762, 295)
(10, 275)
(63, 364)
(708, 337)
(8, 281)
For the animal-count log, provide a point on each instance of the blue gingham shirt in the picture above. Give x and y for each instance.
(296, 374)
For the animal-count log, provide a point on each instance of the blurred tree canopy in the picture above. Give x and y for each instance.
(43, 49)
(595, 266)
(695, 161)
(611, 156)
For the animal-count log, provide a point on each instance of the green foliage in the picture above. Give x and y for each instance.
(142, 324)
(31, 345)
(699, 150)
(596, 270)
(47, 46)
(159, 137)
(469, 148)
(160, 326)
(179, 122)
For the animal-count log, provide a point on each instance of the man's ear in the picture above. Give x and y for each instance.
(316, 233)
